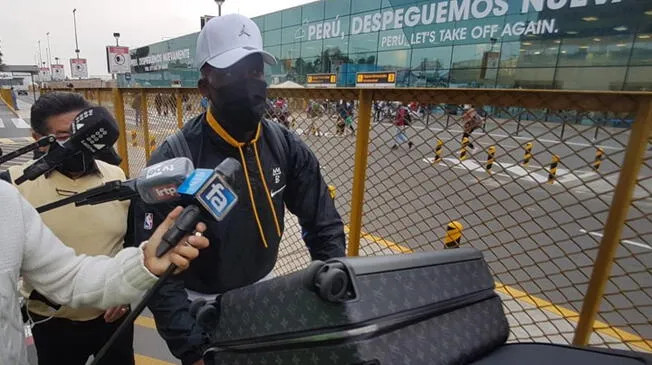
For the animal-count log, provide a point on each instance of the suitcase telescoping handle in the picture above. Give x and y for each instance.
(331, 280)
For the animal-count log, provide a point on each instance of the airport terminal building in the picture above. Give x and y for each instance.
(548, 44)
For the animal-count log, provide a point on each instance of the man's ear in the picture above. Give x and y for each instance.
(202, 84)
(36, 137)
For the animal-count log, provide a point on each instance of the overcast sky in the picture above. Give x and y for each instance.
(140, 22)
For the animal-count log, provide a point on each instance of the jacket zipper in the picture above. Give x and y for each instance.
(352, 332)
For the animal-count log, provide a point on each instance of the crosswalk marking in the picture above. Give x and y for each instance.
(2, 124)
(19, 123)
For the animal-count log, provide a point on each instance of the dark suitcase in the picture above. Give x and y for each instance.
(423, 308)
(552, 354)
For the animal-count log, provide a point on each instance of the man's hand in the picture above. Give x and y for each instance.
(185, 251)
(199, 362)
(115, 313)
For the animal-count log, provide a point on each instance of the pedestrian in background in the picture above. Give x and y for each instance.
(403, 120)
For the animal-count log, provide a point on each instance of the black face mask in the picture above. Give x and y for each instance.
(239, 106)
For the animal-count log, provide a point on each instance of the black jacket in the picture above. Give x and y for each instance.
(238, 255)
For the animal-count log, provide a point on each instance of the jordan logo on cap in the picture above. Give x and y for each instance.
(244, 32)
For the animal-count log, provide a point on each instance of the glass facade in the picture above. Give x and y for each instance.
(560, 44)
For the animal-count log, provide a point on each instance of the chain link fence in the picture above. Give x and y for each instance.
(529, 175)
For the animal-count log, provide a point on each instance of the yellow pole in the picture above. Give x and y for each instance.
(453, 235)
(599, 155)
(438, 150)
(491, 153)
(552, 173)
(634, 154)
(179, 109)
(119, 107)
(528, 153)
(359, 170)
(145, 123)
(463, 152)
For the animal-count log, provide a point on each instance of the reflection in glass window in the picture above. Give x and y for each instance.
(472, 77)
(363, 43)
(291, 34)
(529, 53)
(274, 50)
(431, 58)
(363, 58)
(470, 56)
(393, 39)
(394, 60)
(337, 7)
(311, 49)
(642, 52)
(590, 78)
(290, 50)
(364, 5)
(595, 51)
(272, 38)
(273, 21)
(291, 16)
(639, 79)
(438, 78)
(313, 12)
(526, 78)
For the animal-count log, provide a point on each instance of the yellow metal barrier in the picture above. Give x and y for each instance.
(542, 241)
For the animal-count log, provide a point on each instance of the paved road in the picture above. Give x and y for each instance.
(538, 237)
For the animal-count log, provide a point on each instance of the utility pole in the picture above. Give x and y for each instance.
(74, 19)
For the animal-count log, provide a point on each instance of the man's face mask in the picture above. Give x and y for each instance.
(241, 104)
(238, 94)
(79, 164)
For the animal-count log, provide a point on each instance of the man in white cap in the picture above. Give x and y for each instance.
(280, 171)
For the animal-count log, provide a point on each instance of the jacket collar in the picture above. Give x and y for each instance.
(217, 128)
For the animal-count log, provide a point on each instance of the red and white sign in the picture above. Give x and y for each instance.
(58, 74)
(78, 68)
(118, 59)
(44, 74)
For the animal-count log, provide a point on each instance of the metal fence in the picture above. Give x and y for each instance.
(553, 186)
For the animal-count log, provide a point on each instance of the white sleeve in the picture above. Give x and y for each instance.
(55, 271)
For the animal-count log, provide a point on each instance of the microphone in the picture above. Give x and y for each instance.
(42, 142)
(155, 184)
(213, 190)
(93, 130)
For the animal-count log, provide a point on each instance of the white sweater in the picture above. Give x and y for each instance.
(30, 249)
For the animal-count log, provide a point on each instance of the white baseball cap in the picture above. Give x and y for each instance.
(227, 39)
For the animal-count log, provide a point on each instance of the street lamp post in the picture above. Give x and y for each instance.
(219, 7)
(74, 19)
(49, 52)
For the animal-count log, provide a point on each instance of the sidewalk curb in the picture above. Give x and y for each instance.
(10, 108)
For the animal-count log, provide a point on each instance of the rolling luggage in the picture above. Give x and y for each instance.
(423, 308)
(552, 354)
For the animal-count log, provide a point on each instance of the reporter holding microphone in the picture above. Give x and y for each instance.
(30, 249)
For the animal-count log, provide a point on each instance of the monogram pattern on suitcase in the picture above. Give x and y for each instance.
(284, 305)
(453, 338)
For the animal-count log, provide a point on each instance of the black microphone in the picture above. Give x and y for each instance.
(93, 130)
(42, 142)
(155, 184)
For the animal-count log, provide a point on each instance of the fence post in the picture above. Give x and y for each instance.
(144, 120)
(179, 109)
(360, 170)
(119, 107)
(99, 97)
(622, 197)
